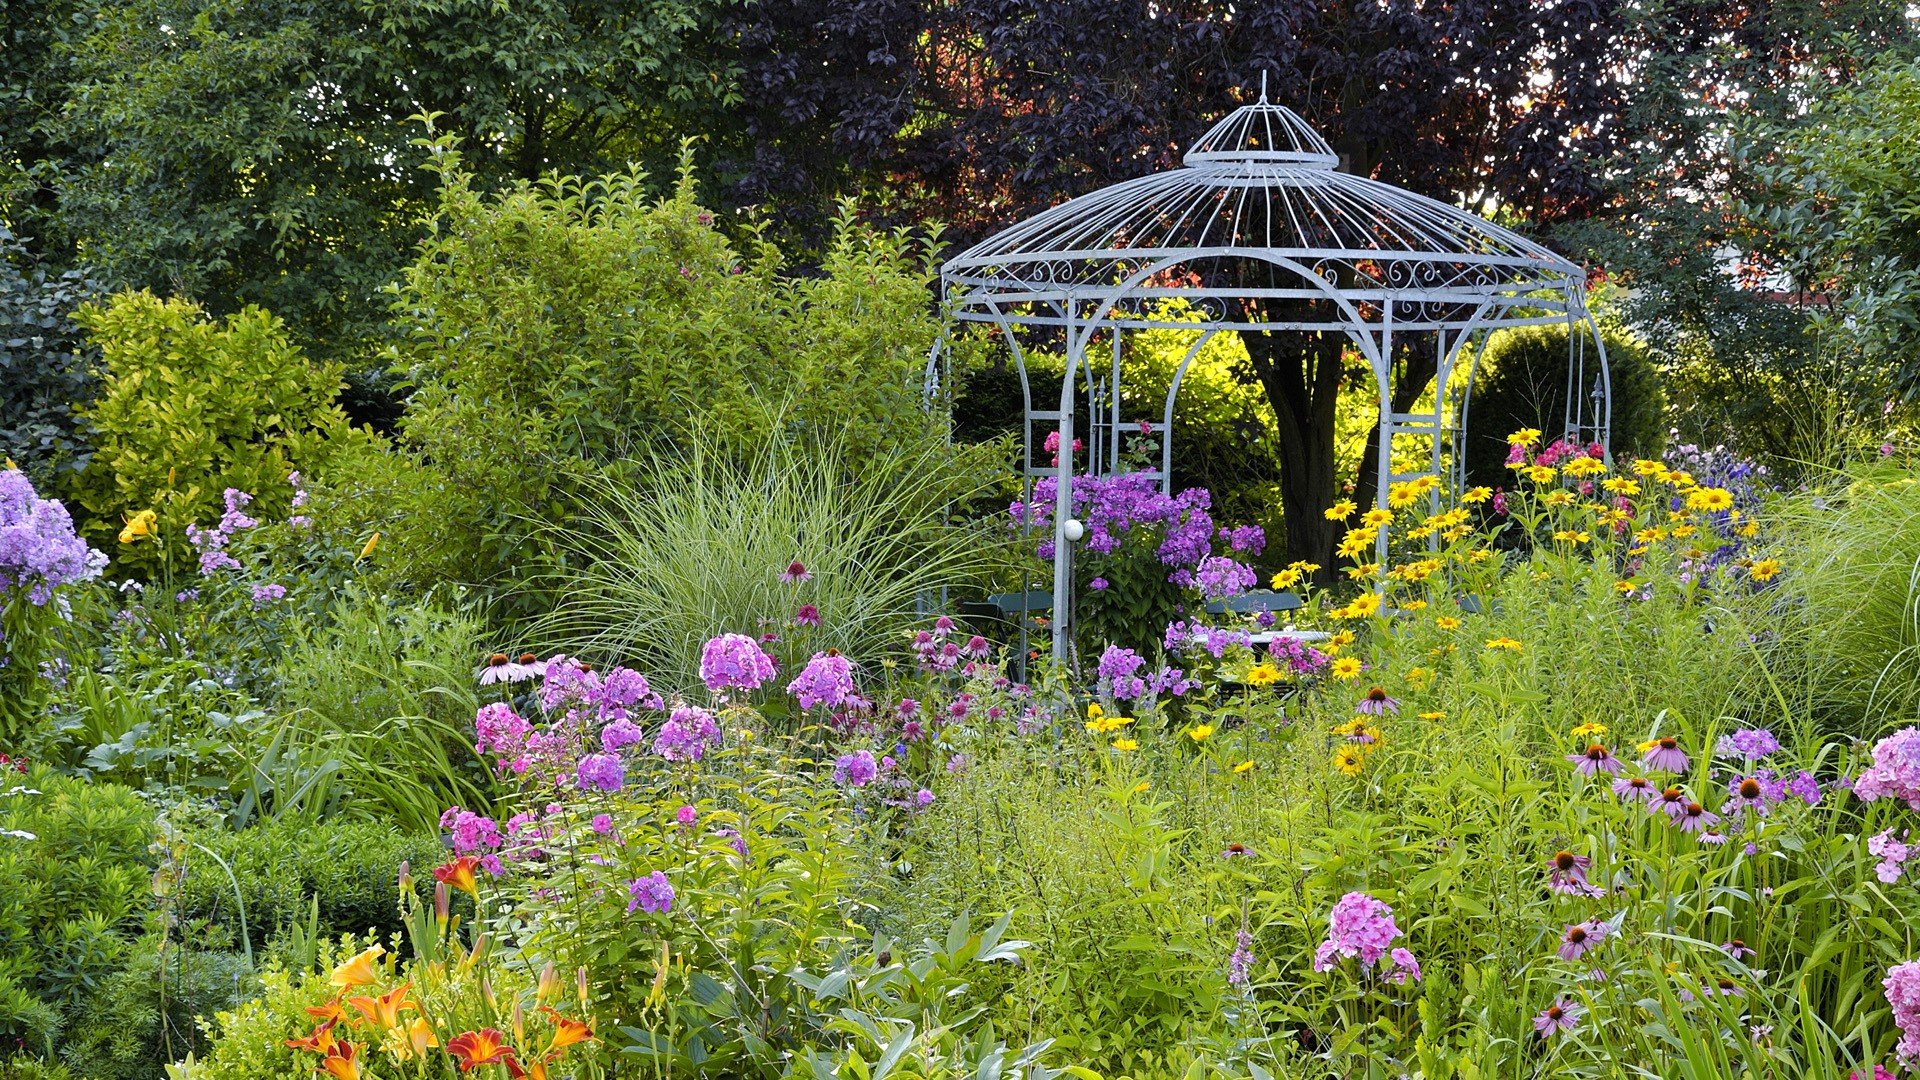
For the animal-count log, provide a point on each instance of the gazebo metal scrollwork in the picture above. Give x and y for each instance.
(1260, 232)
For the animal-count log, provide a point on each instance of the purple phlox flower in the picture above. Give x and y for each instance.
(1222, 578)
(808, 615)
(1567, 875)
(1560, 1018)
(826, 680)
(469, 832)
(1117, 670)
(1804, 787)
(620, 734)
(1595, 759)
(652, 894)
(1578, 939)
(1240, 962)
(624, 689)
(855, 770)
(602, 824)
(569, 685)
(601, 772)
(686, 815)
(1892, 853)
(1250, 539)
(1895, 772)
(1665, 755)
(1633, 789)
(1099, 584)
(734, 662)
(267, 594)
(1902, 985)
(687, 734)
(1169, 680)
(923, 797)
(500, 731)
(1751, 744)
(1377, 703)
(1360, 926)
(1405, 968)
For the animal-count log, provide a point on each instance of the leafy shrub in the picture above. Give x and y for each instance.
(1522, 383)
(691, 547)
(46, 363)
(557, 328)
(73, 893)
(281, 866)
(188, 408)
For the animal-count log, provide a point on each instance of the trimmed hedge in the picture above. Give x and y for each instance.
(1522, 383)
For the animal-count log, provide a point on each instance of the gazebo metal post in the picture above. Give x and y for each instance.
(1063, 491)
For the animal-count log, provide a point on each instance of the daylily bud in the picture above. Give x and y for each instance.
(406, 877)
(549, 985)
(580, 978)
(442, 901)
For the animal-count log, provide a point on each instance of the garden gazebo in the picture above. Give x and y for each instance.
(1260, 232)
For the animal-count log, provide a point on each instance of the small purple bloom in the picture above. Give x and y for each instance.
(1749, 743)
(686, 815)
(620, 734)
(1595, 759)
(1561, 1017)
(855, 770)
(601, 772)
(602, 824)
(652, 894)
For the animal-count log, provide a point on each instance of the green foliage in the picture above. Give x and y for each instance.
(45, 363)
(73, 893)
(1845, 201)
(1521, 382)
(189, 407)
(259, 153)
(692, 547)
(560, 327)
(280, 867)
(1853, 601)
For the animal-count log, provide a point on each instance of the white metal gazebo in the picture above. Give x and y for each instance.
(1259, 231)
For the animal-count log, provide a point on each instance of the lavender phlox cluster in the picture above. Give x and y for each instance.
(1246, 539)
(39, 551)
(652, 894)
(1112, 506)
(1300, 658)
(501, 732)
(1219, 577)
(856, 769)
(1892, 852)
(623, 690)
(1119, 678)
(1240, 962)
(211, 544)
(827, 680)
(687, 735)
(1903, 993)
(734, 662)
(1752, 744)
(468, 832)
(300, 497)
(1895, 772)
(601, 772)
(620, 734)
(1361, 926)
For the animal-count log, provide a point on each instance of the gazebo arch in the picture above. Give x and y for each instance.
(1258, 231)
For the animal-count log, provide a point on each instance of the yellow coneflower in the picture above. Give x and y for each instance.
(1350, 759)
(1124, 743)
(1377, 517)
(1434, 715)
(1245, 766)
(1504, 643)
(1341, 510)
(1624, 587)
(1263, 674)
(1712, 500)
(1589, 730)
(1345, 667)
(1447, 622)
(1200, 733)
(1764, 570)
(1526, 436)
(1540, 474)
(1474, 496)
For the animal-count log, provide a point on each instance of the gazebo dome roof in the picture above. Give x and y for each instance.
(1260, 185)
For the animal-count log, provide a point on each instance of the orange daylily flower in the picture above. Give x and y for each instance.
(321, 1041)
(330, 1011)
(484, 1047)
(385, 1010)
(566, 1031)
(341, 1064)
(458, 874)
(359, 970)
(421, 1037)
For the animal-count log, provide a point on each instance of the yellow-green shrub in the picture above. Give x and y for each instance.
(188, 407)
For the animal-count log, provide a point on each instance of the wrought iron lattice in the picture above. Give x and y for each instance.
(1259, 231)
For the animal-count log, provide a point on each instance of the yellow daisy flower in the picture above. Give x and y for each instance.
(1504, 643)
(1346, 667)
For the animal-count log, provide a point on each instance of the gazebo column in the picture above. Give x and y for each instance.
(1063, 498)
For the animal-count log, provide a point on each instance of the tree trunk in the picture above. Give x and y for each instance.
(1301, 376)
(1415, 367)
